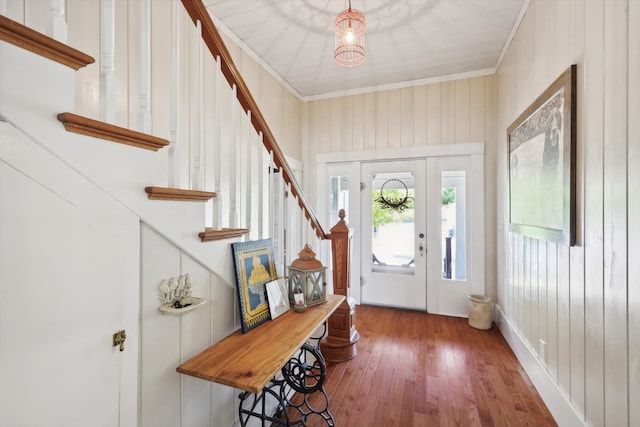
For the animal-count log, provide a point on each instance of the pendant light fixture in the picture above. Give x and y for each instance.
(350, 26)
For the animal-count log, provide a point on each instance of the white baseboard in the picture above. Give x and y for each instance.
(560, 407)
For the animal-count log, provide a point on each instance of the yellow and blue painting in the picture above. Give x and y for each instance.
(254, 267)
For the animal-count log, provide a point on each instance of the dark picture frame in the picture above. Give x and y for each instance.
(542, 164)
(254, 266)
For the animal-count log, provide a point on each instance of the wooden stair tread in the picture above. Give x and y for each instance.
(165, 193)
(90, 127)
(226, 233)
(24, 37)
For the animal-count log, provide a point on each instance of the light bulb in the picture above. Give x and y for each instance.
(349, 36)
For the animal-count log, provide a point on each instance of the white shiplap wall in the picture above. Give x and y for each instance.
(583, 301)
(168, 398)
(450, 112)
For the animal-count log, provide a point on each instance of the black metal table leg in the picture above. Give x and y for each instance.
(305, 374)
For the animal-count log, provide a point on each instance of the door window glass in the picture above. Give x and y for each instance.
(392, 219)
(453, 226)
(339, 196)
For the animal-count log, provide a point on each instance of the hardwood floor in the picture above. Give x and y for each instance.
(418, 369)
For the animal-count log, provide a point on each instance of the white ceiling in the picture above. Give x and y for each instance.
(407, 41)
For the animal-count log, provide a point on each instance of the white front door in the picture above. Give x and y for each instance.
(427, 254)
(394, 256)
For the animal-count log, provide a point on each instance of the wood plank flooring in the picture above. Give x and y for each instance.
(419, 369)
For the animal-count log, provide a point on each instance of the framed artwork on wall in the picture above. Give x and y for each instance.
(254, 267)
(542, 158)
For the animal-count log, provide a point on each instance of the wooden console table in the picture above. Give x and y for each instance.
(251, 362)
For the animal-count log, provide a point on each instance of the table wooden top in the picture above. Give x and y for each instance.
(249, 361)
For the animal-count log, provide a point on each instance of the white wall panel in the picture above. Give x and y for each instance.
(381, 120)
(195, 336)
(406, 117)
(564, 323)
(420, 115)
(633, 209)
(615, 212)
(160, 335)
(593, 94)
(393, 119)
(448, 109)
(462, 111)
(434, 113)
(169, 398)
(585, 298)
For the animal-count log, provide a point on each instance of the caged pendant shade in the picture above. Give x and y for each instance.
(350, 26)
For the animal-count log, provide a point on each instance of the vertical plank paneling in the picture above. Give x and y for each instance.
(369, 121)
(534, 305)
(462, 110)
(195, 336)
(563, 324)
(542, 299)
(543, 45)
(159, 335)
(346, 125)
(561, 39)
(420, 115)
(394, 118)
(358, 123)
(434, 110)
(381, 120)
(477, 113)
(525, 295)
(448, 112)
(519, 283)
(335, 131)
(576, 254)
(593, 212)
(493, 258)
(510, 292)
(615, 213)
(324, 113)
(552, 309)
(406, 116)
(527, 38)
(576, 325)
(634, 208)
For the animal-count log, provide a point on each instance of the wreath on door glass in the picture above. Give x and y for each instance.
(392, 201)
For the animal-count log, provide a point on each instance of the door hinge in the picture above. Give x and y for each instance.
(362, 186)
(362, 281)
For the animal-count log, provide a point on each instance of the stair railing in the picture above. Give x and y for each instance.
(198, 13)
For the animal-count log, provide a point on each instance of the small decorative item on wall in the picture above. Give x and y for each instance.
(542, 156)
(175, 296)
(254, 267)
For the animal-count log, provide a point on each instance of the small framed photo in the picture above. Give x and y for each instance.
(278, 297)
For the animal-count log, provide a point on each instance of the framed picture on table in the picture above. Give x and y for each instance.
(254, 267)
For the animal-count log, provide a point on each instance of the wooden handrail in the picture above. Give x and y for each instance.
(211, 37)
